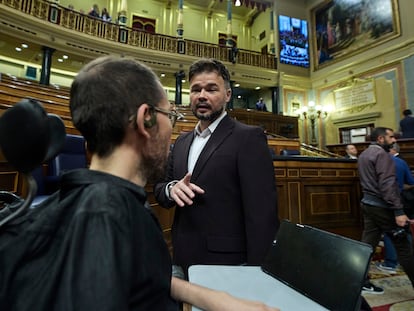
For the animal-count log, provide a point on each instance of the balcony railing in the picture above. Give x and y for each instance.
(76, 21)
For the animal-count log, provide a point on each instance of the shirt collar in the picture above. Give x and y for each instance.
(212, 126)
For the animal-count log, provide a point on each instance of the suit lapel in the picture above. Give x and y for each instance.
(223, 130)
(181, 161)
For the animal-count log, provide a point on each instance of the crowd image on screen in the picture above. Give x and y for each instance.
(293, 37)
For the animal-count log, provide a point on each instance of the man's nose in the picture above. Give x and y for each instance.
(203, 93)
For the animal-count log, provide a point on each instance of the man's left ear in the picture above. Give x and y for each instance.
(146, 119)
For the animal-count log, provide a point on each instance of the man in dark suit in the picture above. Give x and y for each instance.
(351, 152)
(260, 105)
(221, 178)
(407, 124)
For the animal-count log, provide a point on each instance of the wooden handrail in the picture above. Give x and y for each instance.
(78, 22)
(319, 152)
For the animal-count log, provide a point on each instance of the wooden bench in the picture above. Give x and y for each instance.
(48, 105)
(33, 93)
(35, 85)
(67, 120)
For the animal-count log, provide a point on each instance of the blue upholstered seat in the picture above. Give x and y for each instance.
(40, 179)
(72, 156)
(289, 152)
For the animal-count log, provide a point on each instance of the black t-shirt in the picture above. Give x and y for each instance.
(91, 246)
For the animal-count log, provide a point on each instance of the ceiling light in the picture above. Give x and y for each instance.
(24, 45)
(65, 57)
(60, 60)
(237, 85)
(162, 75)
(18, 49)
(183, 80)
(257, 88)
(238, 3)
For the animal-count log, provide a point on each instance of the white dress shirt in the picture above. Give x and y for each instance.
(200, 140)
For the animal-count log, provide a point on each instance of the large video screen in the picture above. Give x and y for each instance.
(294, 41)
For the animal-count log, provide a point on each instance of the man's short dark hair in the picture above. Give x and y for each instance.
(104, 95)
(407, 112)
(209, 65)
(379, 131)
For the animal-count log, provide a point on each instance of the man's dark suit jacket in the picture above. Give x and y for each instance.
(407, 127)
(236, 220)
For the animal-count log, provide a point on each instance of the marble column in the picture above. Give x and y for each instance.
(46, 65)
(275, 99)
(179, 76)
(229, 41)
(180, 28)
(272, 36)
(122, 13)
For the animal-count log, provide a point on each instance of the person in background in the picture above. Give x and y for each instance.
(260, 105)
(221, 179)
(351, 152)
(105, 15)
(381, 204)
(407, 124)
(94, 12)
(405, 181)
(95, 244)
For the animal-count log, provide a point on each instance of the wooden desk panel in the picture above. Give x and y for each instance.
(406, 149)
(10, 179)
(324, 193)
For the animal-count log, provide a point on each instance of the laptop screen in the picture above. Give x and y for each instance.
(328, 268)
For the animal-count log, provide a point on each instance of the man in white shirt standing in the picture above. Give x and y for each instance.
(221, 179)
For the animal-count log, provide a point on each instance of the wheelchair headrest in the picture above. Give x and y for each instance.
(29, 136)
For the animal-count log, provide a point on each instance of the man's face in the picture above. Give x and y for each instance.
(208, 96)
(387, 140)
(352, 150)
(154, 156)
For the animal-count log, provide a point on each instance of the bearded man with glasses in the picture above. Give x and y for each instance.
(95, 244)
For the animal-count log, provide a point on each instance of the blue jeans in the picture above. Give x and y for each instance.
(390, 255)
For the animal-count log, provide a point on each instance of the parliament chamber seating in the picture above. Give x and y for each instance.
(55, 101)
(72, 156)
(406, 149)
(289, 152)
(41, 182)
(316, 191)
(47, 176)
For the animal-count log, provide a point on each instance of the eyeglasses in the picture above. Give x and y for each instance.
(172, 114)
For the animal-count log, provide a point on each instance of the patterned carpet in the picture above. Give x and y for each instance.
(398, 292)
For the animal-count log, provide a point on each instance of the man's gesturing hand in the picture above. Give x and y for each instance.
(183, 192)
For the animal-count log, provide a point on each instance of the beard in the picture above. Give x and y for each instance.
(154, 169)
(387, 147)
(212, 116)
(154, 160)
